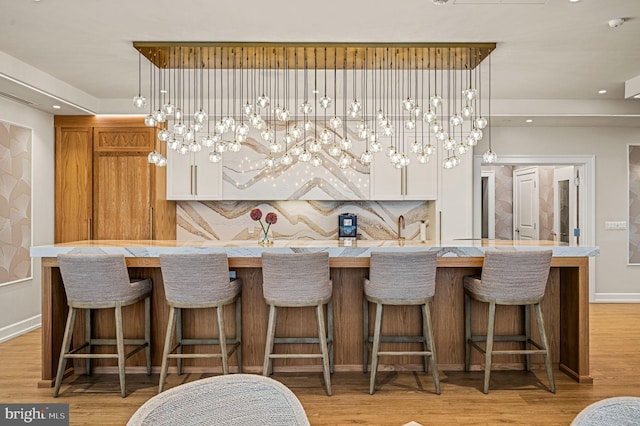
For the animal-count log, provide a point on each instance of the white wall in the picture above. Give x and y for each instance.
(20, 305)
(615, 280)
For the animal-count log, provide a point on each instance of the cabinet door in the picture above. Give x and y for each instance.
(386, 179)
(73, 184)
(207, 178)
(455, 200)
(179, 176)
(421, 180)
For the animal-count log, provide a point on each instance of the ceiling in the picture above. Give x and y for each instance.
(553, 50)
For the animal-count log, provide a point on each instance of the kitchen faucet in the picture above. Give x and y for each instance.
(400, 227)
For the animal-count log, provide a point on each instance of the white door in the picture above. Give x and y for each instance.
(526, 204)
(565, 212)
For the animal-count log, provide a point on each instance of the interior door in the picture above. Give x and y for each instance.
(565, 212)
(526, 204)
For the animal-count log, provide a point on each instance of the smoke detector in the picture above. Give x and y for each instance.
(616, 22)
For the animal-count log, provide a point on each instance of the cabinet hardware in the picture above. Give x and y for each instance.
(191, 181)
(195, 178)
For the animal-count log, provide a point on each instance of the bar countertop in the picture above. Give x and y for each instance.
(344, 249)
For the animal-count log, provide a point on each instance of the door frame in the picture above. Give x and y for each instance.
(491, 202)
(562, 174)
(587, 205)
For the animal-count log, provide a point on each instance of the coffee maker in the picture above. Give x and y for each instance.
(347, 226)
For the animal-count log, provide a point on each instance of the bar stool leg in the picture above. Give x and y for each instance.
(171, 325)
(120, 345)
(489, 347)
(428, 336)
(467, 332)
(87, 338)
(376, 348)
(545, 345)
(239, 332)
(66, 345)
(527, 335)
(365, 334)
(222, 338)
(330, 333)
(271, 330)
(323, 346)
(179, 339)
(147, 332)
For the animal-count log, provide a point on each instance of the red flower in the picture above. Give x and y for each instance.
(271, 218)
(256, 214)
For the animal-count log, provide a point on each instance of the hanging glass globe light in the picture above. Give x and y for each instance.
(470, 94)
(162, 161)
(286, 159)
(152, 158)
(435, 101)
(380, 115)
(335, 122)
(316, 161)
(435, 127)
(346, 144)
(455, 120)
(462, 148)
(269, 161)
(490, 156)
(139, 101)
(220, 127)
(404, 160)
(355, 107)
(168, 108)
(467, 111)
(304, 156)
(409, 104)
(296, 149)
(235, 146)
(389, 151)
(334, 150)
(308, 125)
(198, 126)
(325, 102)
(448, 163)
(422, 158)
(215, 157)
(455, 160)
(375, 146)
(364, 133)
(344, 161)
(429, 149)
(289, 139)
(442, 135)
(366, 158)
(173, 143)
(296, 132)
(417, 111)
(178, 114)
(247, 109)
(222, 146)
(230, 123)
(183, 149)
(388, 130)
(194, 146)
(159, 116)
(260, 124)
(200, 116)
(253, 119)
(325, 136)
(216, 137)
(315, 146)
(163, 135)
(449, 144)
(306, 107)
(410, 124)
(395, 158)
(266, 135)
(242, 129)
(415, 147)
(262, 101)
(481, 122)
(149, 121)
(470, 141)
(476, 134)
(179, 129)
(285, 115)
(189, 135)
(207, 141)
(429, 116)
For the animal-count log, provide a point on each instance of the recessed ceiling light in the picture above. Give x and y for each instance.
(637, 96)
(528, 120)
(163, 91)
(574, 1)
(316, 91)
(56, 106)
(602, 91)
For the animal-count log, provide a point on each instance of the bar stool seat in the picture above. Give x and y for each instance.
(101, 281)
(196, 281)
(509, 278)
(400, 278)
(298, 280)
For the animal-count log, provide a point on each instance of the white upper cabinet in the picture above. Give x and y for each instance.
(192, 177)
(414, 182)
(454, 208)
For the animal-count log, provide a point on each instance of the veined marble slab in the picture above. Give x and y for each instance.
(359, 248)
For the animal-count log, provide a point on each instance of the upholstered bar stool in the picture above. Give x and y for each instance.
(101, 281)
(297, 280)
(400, 278)
(195, 281)
(509, 278)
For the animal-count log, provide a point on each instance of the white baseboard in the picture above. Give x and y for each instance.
(21, 327)
(616, 298)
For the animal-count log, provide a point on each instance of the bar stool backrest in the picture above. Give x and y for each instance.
(402, 275)
(296, 276)
(95, 279)
(196, 278)
(515, 275)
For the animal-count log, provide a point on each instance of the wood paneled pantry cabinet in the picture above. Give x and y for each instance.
(105, 188)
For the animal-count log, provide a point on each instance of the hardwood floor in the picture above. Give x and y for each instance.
(515, 397)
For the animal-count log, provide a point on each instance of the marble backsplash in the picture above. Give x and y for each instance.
(313, 220)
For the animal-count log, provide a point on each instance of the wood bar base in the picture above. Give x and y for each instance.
(565, 308)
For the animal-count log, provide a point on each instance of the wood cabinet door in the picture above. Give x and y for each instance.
(73, 184)
(122, 184)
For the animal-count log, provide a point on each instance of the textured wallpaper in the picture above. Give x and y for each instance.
(15, 202)
(634, 204)
(297, 219)
(545, 179)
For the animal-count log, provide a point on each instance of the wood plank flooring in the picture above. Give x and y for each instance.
(515, 397)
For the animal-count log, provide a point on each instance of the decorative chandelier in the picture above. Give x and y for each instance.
(402, 100)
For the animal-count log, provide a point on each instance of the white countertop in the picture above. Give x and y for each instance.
(358, 248)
